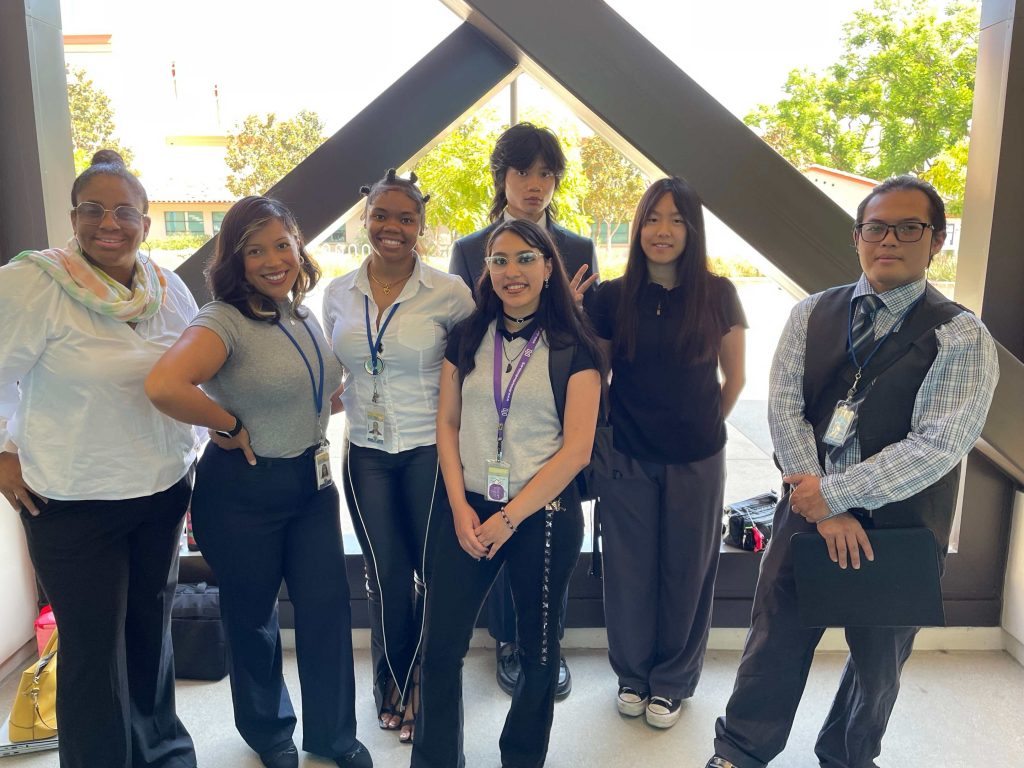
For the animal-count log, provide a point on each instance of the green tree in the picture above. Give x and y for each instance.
(614, 186)
(456, 174)
(263, 150)
(898, 100)
(92, 121)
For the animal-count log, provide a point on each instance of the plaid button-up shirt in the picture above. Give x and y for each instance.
(948, 415)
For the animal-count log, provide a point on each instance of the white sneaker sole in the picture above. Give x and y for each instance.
(631, 708)
(667, 720)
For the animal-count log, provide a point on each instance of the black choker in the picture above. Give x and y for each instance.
(518, 319)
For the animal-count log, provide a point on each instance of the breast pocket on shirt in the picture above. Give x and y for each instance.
(417, 333)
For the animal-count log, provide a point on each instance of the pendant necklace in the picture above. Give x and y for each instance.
(510, 360)
(386, 287)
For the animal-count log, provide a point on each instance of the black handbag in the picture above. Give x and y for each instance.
(197, 633)
(747, 524)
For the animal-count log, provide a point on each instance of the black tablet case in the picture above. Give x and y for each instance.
(900, 588)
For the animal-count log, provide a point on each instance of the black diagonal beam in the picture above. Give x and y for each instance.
(461, 71)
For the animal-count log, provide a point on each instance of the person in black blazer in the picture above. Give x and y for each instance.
(527, 166)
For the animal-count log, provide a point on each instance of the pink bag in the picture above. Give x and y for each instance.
(45, 625)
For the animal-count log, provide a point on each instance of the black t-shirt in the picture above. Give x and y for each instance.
(665, 408)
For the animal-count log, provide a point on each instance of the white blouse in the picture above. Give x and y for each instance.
(431, 304)
(71, 392)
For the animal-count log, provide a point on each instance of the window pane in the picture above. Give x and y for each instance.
(218, 219)
(195, 222)
(174, 221)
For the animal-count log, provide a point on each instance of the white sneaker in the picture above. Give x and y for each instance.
(630, 702)
(663, 712)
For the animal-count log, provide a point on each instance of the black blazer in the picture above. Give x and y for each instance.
(468, 254)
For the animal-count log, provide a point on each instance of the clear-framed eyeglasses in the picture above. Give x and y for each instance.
(93, 213)
(905, 231)
(499, 262)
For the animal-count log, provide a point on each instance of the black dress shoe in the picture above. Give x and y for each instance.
(357, 758)
(564, 687)
(508, 667)
(284, 756)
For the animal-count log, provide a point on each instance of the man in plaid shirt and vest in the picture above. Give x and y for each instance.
(877, 391)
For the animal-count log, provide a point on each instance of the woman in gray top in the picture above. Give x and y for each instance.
(509, 454)
(265, 508)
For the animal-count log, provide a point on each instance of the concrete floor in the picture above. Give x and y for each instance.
(956, 710)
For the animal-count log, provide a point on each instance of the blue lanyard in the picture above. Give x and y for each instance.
(849, 335)
(318, 394)
(375, 344)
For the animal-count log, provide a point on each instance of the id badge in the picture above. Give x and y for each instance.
(498, 473)
(840, 426)
(322, 462)
(375, 423)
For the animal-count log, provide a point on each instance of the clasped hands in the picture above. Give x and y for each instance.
(479, 540)
(843, 534)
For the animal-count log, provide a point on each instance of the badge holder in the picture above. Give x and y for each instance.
(322, 462)
(844, 417)
(842, 423)
(498, 473)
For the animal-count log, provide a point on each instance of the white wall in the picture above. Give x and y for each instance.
(17, 586)
(1013, 590)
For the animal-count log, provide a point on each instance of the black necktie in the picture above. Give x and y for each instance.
(863, 338)
(863, 333)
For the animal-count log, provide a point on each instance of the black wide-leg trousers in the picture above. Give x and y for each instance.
(457, 584)
(256, 526)
(109, 569)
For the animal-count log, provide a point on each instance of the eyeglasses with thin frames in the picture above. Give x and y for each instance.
(124, 215)
(905, 231)
(500, 262)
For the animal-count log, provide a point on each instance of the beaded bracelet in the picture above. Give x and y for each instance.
(507, 519)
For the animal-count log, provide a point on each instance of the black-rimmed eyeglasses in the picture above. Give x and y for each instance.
(93, 213)
(905, 231)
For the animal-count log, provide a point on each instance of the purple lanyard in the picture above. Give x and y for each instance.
(504, 404)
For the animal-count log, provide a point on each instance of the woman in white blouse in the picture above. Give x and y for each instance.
(388, 322)
(101, 478)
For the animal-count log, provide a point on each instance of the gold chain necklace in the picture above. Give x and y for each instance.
(386, 287)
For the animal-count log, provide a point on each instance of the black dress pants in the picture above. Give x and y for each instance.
(256, 526)
(391, 497)
(542, 552)
(109, 570)
(777, 658)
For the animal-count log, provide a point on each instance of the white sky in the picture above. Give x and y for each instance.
(334, 57)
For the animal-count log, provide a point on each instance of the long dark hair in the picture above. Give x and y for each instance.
(698, 333)
(226, 274)
(561, 319)
(518, 148)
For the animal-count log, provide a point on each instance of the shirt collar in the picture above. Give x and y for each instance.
(525, 332)
(545, 219)
(896, 300)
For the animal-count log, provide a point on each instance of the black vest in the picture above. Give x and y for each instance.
(890, 382)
